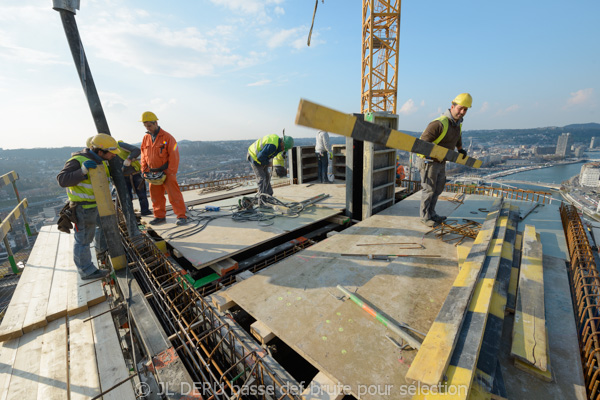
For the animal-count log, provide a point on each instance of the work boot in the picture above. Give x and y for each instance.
(97, 274)
(438, 218)
(158, 221)
(428, 222)
(181, 221)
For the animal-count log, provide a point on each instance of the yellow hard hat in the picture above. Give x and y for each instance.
(105, 142)
(463, 99)
(88, 142)
(148, 116)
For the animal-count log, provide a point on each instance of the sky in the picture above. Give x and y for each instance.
(237, 69)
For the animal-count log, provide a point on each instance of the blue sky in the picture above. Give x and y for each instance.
(236, 69)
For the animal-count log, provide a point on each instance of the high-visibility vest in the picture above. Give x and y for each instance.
(257, 146)
(444, 120)
(278, 161)
(124, 154)
(83, 191)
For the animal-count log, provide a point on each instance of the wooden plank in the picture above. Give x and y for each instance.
(12, 323)
(529, 329)
(94, 292)
(26, 369)
(433, 357)
(224, 266)
(319, 117)
(323, 388)
(111, 365)
(53, 362)
(58, 300)
(39, 292)
(83, 371)
(222, 301)
(8, 354)
(261, 332)
(76, 294)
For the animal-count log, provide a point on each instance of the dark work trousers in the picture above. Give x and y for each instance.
(433, 181)
(140, 189)
(263, 178)
(323, 164)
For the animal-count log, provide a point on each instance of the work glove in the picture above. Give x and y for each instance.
(463, 152)
(331, 156)
(87, 165)
(127, 162)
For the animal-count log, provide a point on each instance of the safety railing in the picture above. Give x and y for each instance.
(16, 213)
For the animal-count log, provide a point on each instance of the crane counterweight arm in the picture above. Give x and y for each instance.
(316, 116)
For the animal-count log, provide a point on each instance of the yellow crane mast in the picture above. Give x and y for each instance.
(381, 39)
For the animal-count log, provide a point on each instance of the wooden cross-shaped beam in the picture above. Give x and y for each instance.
(316, 116)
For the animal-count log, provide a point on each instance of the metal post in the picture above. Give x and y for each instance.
(11, 257)
(67, 8)
(23, 214)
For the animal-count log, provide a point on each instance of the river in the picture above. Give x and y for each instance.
(556, 175)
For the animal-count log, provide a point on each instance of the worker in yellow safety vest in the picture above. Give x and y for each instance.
(279, 165)
(74, 177)
(444, 131)
(260, 154)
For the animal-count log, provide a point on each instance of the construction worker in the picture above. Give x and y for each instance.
(260, 154)
(444, 131)
(322, 149)
(74, 177)
(160, 155)
(279, 165)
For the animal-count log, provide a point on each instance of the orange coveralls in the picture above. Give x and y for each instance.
(155, 155)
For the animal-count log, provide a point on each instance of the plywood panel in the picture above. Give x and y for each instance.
(12, 323)
(83, 372)
(111, 366)
(53, 362)
(58, 301)
(39, 292)
(26, 369)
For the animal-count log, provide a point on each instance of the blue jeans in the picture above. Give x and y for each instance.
(323, 164)
(139, 184)
(85, 230)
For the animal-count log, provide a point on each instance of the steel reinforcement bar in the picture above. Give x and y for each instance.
(585, 290)
(222, 365)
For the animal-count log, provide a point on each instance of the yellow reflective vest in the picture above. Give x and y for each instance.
(444, 120)
(83, 191)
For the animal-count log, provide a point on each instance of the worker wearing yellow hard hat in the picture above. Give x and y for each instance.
(444, 131)
(160, 162)
(82, 200)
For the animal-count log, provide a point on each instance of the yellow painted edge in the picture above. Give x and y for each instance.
(399, 140)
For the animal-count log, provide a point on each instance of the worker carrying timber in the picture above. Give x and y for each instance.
(444, 131)
(74, 177)
(260, 154)
(160, 161)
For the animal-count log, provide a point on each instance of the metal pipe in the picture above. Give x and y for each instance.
(67, 14)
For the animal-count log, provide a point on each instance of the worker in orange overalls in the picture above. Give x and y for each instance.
(160, 155)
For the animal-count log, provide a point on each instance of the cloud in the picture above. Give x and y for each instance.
(248, 6)
(408, 108)
(12, 52)
(294, 37)
(484, 107)
(260, 83)
(579, 97)
(508, 110)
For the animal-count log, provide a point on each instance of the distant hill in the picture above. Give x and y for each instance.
(582, 133)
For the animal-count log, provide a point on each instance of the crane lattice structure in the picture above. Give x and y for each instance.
(381, 39)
